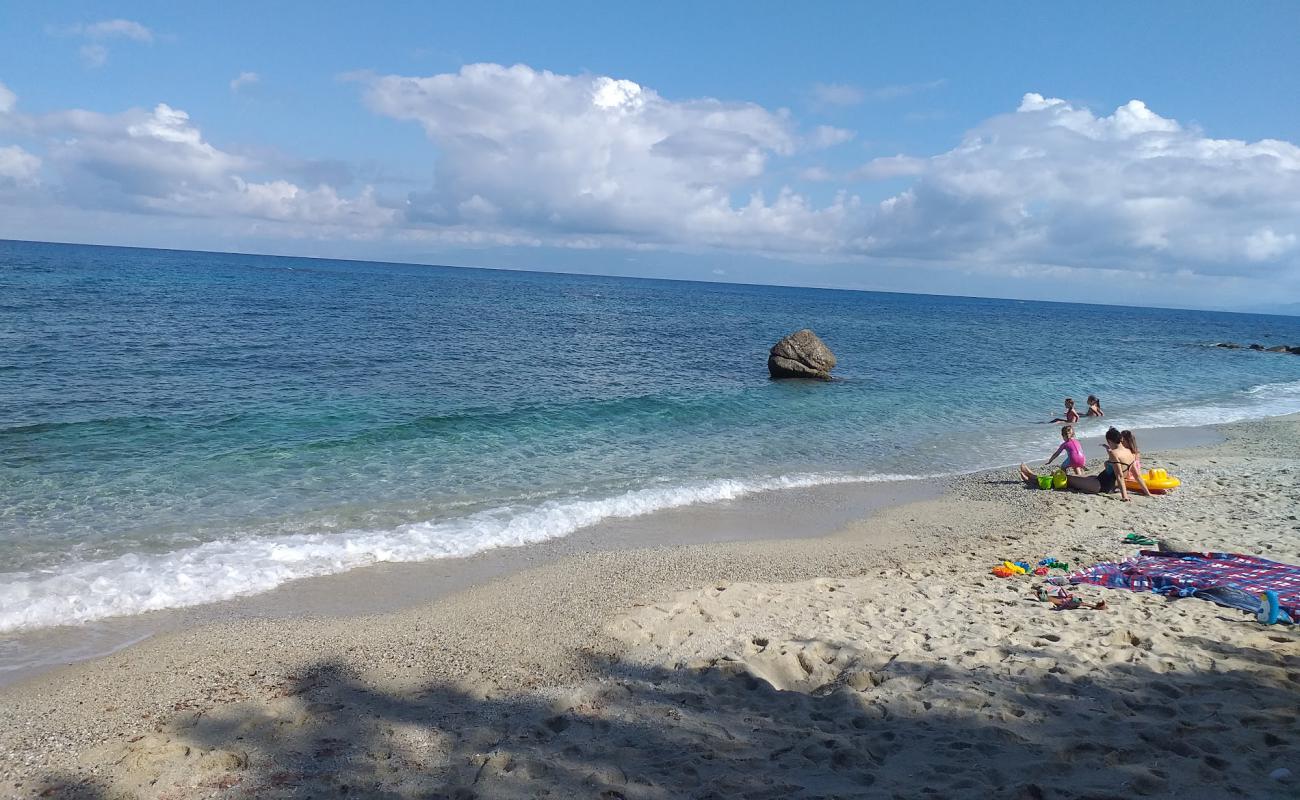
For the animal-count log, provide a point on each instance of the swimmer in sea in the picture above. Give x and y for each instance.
(1071, 416)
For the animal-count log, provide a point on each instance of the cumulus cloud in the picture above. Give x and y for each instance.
(158, 162)
(541, 157)
(532, 158)
(244, 79)
(17, 166)
(558, 156)
(1056, 183)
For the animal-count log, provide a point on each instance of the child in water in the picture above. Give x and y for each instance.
(1071, 416)
(1094, 406)
(1074, 458)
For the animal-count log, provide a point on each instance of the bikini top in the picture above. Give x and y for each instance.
(1110, 465)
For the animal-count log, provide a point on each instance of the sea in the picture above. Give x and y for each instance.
(179, 428)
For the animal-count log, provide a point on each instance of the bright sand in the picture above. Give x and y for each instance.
(884, 660)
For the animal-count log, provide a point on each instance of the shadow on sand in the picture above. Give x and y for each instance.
(900, 729)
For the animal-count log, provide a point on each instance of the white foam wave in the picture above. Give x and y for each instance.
(220, 570)
(1257, 402)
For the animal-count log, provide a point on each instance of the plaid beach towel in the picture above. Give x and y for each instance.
(1228, 579)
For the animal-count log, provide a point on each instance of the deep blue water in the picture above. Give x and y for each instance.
(178, 427)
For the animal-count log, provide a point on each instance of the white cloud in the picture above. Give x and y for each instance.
(1055, 183)
(837, 94)
(817, 174)
(539, 156)
(244, 79)
(114, 29)
(824, 136)
(1265, 245)
(17, 166)
(158, 162)
(532, 158)
(556, 157)
(93, 55)
(889, 167)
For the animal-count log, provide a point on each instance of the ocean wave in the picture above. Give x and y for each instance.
(1256, 402)
(221, 570)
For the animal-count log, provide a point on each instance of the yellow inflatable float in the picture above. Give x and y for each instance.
(1157, 480)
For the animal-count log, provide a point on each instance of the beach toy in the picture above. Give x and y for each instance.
(1040, 571)
(1044, 481)
(1059, 481)
(1002, 572)
(1269, 612)
(1024, 565)
(1015, 568)
(1157, 480)
(1058, 565)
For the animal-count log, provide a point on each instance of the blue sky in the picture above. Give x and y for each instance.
(988, 149)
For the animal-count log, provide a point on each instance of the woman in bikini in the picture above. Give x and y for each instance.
(1119, 465)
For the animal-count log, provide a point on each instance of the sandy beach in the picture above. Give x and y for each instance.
(881, 661)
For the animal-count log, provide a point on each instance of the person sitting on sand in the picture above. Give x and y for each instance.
(1074, 461)
(1119, 465)
(1127, 439)
(1071, 416)
(1094, 406)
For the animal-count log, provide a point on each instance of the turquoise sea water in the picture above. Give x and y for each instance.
(180, 427)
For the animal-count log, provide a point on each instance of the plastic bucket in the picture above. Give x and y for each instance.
(1044, 481)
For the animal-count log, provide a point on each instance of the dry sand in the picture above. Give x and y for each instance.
(884, 661)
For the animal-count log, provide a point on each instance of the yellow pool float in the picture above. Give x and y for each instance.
(1157, 480)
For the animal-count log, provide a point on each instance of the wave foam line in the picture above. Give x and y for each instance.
(1258, 402)
(234, 567)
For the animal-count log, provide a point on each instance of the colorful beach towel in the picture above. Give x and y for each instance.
(1229, 579)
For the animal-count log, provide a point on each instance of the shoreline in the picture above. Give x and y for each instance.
(390, 587)
(575, 643)
(386, 587)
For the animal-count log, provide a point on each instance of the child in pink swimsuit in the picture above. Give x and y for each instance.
(1074, 458)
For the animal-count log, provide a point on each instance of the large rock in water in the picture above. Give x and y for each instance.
(801, 355)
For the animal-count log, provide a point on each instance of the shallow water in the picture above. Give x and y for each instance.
(177, 427)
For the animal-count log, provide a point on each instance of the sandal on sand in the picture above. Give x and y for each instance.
(1062, 600)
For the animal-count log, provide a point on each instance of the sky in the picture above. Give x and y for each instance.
(1114, 152)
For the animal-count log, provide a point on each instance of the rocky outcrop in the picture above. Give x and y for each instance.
(801, 355)
(1259, 348)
